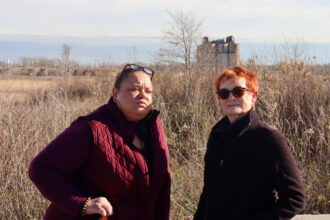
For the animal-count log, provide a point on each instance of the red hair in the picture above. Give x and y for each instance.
(236, 72)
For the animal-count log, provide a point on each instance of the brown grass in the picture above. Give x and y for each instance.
(296, 103)
(20, 89)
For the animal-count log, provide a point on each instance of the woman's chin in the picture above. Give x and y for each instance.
(142, 112)
(233, 111)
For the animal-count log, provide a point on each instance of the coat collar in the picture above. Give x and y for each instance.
(239, 127)
(253, 120)
(127, 129)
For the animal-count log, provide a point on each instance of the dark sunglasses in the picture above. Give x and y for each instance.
(135, 67)
(237, 92)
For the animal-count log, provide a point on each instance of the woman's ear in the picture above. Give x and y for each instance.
(254, 97)
(114, 94)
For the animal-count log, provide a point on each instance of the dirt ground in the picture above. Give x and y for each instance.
(312, 217)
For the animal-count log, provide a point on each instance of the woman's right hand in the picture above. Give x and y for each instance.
(99, 205)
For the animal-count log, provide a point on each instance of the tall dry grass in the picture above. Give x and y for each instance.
(291, 100)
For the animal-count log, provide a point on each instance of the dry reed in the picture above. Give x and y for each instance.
(294, 102)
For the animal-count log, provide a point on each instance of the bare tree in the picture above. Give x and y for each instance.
(66, 51)
(181, 38)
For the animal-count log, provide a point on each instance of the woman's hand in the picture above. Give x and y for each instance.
(99, 205)
(190, 218)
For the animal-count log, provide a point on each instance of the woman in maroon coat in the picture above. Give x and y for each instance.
(113, 162)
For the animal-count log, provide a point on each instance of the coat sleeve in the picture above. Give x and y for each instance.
(208, 160)
(201, 204)
(51, 169)
(286, 180)
(163, 201)
(164, 196)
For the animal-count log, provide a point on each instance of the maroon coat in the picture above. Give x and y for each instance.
(95, 157)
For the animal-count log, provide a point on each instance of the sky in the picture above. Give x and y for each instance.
(112, 23)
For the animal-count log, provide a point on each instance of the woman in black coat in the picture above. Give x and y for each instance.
(250, 172)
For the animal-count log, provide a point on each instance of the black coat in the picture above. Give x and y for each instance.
(250, 173)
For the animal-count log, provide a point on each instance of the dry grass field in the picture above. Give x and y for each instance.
(33, 111)
(20, 89)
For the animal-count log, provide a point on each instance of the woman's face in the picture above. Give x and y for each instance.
(134, 98)
(236, 108)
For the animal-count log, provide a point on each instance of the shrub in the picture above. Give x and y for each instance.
(295, 103)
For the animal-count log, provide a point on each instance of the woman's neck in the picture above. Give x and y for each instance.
(138, 142)
(234, 118)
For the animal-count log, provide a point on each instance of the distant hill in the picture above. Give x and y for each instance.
(131, 49)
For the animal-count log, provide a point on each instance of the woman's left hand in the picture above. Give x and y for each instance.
(99, 205)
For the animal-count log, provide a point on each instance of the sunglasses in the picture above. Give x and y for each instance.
(135, 67)
(237, 92)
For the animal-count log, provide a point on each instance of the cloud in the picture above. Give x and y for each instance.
(248, 19)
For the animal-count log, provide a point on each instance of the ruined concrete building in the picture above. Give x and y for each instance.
(218, 54)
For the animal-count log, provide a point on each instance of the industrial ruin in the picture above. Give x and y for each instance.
(218, 54)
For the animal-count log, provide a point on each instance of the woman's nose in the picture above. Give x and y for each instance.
(142, 93)
(231, 96)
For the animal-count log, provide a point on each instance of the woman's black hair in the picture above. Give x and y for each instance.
(121, 76)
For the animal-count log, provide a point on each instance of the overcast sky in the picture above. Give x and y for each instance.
(248, 20)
